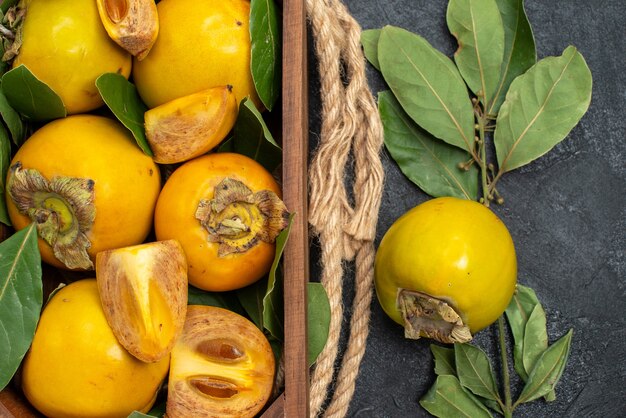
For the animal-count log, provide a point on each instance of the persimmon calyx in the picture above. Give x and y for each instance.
(429, 317)
(238, 219)
(62, 208)
(11, 30)
(132, 24)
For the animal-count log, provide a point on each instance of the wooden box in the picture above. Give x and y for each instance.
(294, 401)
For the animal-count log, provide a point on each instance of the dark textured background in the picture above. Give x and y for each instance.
(566, 213)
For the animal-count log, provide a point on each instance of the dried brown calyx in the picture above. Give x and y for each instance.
(132, 24)
(191, 125)
(425, 316)
(11, 30)
(63, 209)
(238, 219)
(222, 366)
(143, 290)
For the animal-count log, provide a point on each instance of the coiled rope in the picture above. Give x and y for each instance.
(351, 127)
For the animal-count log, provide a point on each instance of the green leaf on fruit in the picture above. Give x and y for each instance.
(428, 86)
(12, 119)
(265, 54)
(226, 300)
(121, 96)
(251, 298)
(477, 26)
(21, 298)
(31, 97)
(273, 299)
(5, 161)
(541, 107)
(428, 162)
(253, 138)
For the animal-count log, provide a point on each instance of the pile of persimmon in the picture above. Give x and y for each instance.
(103, 346)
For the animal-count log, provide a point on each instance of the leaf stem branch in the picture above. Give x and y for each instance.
(506, 380)
(483, 156)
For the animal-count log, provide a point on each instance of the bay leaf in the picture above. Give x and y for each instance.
(251, 298)
(265, 54)
(137, 414)
(21, 298)
(121, 96)
(425, 160)
(444, 360)
(541, 108)
(518, 312)
(5, 161)
(226, 300)
(428, 86)
(7, 4)
(477, 26)
(369, 41)
(474, 371)
(547, 371)
(253, 138)
(318, 320)
(446, 399)
(535, 338)
(31, 97)
(12, 119)
(273, 299)
(519, 48)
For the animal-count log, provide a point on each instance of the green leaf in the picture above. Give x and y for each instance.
(446, 398)
(541, 108)
(474, 371)
(7, 4)
(535, 338)
(12, 119)
(444, 360)
(121, 96)
(428, 86)
(547, 371)
(137, 414)
(273, 300)
(425, 160)
(265, 56)
(369, 40)
(518, 312)
(519, 48)
(251, 298)
(318, 320)
(226, 300)
(253, 139)
(30, 96)
(477, 26)
(21, 297)
(5, 161)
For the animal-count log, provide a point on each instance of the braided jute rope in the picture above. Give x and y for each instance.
(350, 126)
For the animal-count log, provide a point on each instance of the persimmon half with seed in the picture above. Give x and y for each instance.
(143, 290)
(221, 366)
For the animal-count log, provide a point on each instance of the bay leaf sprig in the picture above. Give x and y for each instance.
(21, 298)
(465, 375)
(493, 94)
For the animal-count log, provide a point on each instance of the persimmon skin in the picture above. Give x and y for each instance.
(175, 219)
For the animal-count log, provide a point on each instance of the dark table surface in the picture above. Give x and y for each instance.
(566, 213)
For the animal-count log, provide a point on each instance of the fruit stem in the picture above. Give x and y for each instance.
(483, 157)
(506, 381)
